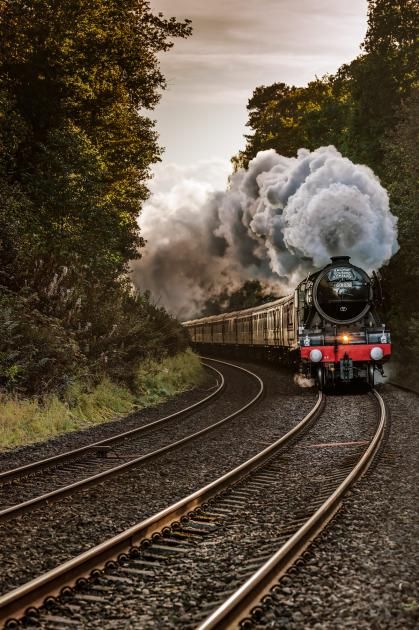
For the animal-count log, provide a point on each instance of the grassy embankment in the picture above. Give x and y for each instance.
(24, 421)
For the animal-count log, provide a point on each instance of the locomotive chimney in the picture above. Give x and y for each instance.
(343, 259)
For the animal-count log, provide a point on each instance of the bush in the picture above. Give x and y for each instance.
(37, 354)
(61, 331)
(23, 421)
(157, 380)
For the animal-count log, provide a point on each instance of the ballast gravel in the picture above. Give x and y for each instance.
(364, 571)
(43, 538)
(12, 458)
(187, 588)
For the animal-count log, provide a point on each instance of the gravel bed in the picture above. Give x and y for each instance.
(181, 590)
(133, 446)
(364, 572)
(12, 458)
(38, 541)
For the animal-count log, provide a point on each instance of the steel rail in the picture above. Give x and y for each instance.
(410, 390)
(9, 475)
(14, 604)
(25, 506)
(240, 604)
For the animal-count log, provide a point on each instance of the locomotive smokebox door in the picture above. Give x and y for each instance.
(342, 292)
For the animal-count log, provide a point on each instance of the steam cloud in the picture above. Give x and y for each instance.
(279, 220)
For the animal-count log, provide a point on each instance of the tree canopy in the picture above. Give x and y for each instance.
(352, 109)
(76, 145)
(75, 74)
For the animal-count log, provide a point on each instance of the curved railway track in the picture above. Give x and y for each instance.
(94, 458)
(186, 517)
(410, 390)
(244, 605)
(74, 454)
(141, 551)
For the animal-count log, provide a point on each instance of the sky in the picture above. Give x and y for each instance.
(236, 46)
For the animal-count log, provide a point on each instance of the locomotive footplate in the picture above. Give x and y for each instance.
(346, 368)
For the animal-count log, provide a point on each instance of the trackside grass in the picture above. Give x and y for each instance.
(24, 421)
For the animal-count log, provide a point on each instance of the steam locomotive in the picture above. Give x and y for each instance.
(330, 326)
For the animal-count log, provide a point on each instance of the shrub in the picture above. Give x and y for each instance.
(24, 420)
(37, 354)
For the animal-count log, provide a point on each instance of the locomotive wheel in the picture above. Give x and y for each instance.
(370, 373)
(321, 377)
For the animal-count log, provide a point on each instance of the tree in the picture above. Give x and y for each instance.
(381, 77)
(76, 145)
(287, 118)
(401, 173)
(78, 72)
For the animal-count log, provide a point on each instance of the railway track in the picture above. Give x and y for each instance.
(27, 487)
(409, 390)
(245, 605)
(142, 552)
(74, 454)
(174, 529)
(53, 533)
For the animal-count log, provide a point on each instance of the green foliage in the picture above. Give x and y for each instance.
(381, 78)
(23, 421)
(401, 174)
(126, 328)
(37, 353)
(250, 294)
(75, 151)
(105, 330)
(157, 380)
(74, 75)
(287, 118)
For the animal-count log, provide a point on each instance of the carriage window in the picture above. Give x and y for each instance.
(289, 317)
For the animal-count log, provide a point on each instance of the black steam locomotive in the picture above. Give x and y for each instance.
(330, 325)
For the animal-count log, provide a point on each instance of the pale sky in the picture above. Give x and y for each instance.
(236, 46)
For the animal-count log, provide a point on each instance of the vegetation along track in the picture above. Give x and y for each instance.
(50, 479)
(175, 529)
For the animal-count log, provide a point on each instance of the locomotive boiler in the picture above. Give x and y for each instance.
(330, 326)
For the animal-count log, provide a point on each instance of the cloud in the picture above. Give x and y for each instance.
(294, 26)
(237, 46)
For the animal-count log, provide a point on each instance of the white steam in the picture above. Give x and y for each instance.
(303, 381)
(279, 219)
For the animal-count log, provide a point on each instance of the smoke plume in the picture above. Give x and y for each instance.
(277, 221)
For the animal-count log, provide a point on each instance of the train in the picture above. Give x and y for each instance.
(330, 327)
